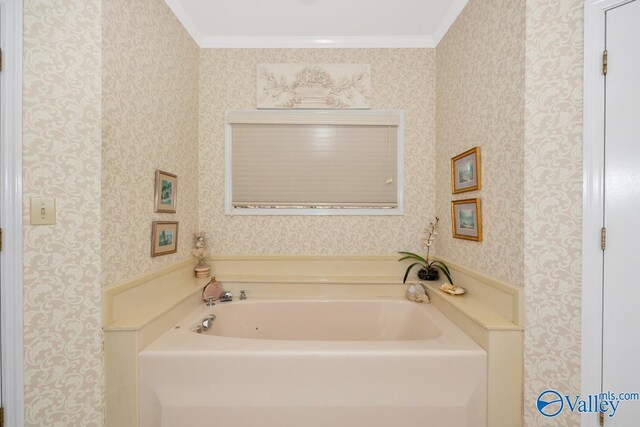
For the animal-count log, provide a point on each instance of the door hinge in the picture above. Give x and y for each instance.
(601, 416)
(605, 62)
(603, 238)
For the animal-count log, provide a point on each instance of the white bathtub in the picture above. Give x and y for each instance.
(314, 363)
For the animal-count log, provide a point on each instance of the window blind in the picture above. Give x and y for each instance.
(298, 162)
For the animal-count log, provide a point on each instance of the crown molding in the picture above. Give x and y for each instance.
(448, 20)
(317, 42)
(294, 42)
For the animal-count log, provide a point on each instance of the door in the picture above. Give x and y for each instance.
(621, 298)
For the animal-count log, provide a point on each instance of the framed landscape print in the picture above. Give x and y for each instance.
(164, 238)
(466, 219)
(166, 192)
(465, 171)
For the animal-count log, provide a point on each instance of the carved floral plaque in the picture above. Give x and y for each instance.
(332, 86)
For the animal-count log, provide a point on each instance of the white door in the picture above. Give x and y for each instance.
(621, 298)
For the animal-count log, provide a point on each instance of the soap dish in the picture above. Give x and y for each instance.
(452, 290)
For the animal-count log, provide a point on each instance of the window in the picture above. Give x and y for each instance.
(314, 163)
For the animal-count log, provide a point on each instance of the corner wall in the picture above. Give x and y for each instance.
(61, 158)
(150, 121)
(480, 102)
(499, 63)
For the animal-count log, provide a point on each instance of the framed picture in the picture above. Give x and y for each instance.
(166, 193)
(465, 171)
(164, 238)
(466, 219)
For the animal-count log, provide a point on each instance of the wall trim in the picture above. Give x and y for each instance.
(593, 196)
(423, 41)
(11, 273)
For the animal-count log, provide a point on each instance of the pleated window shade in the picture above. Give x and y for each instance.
(300, 163)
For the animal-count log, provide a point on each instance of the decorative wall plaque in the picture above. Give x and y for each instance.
(331, 86)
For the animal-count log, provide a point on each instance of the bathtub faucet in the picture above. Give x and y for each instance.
(226, 296)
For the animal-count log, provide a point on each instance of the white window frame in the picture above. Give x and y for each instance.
(399, 210)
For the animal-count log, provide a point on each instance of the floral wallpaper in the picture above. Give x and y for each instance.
(529, 127)
(61, 158)
(150, 121)
(480, 102)
(401, 79)
(553, 203)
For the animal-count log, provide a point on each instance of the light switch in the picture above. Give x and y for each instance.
(43, 210)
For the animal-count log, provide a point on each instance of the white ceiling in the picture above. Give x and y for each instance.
(317, 23)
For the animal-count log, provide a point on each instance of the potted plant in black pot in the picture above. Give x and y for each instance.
(429, 270)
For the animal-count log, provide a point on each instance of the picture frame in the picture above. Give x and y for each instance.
(164, 238)
(466, 219)
(466, 172)
(166, 192)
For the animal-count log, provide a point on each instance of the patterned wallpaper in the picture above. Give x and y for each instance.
(532, 173)
(401, 79)
(150, 121)
(61, 158)
(480, 102)
(553, 203)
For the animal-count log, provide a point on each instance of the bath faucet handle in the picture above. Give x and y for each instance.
(211, 302)
(243, 295)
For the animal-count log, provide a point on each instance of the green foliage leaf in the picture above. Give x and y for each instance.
(441, 265)
(410, 255)
(406, 274)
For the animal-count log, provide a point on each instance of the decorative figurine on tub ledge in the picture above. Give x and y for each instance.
(202, 269)
(416, 292)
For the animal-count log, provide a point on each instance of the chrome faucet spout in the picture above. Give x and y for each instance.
(226, 296)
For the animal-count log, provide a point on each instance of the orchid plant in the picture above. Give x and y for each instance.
(427, 241)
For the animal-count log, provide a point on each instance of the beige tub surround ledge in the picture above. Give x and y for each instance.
(490, 313)
(136, 313)
(139, 311)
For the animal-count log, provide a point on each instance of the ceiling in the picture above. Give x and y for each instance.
(316, 23)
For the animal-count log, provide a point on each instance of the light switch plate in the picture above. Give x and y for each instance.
(43, 210)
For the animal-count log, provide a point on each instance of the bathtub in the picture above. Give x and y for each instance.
(376, 362)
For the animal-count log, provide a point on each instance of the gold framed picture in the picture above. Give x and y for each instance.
(466, 219)
(465, 171)
(164, 238)
(166, 192)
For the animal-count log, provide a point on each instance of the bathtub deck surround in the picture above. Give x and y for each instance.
(490, 313)
(314, 363)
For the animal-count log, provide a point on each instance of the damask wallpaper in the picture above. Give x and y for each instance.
(61, 158)
(401, 79)
(150, 121)
(480, 102)
(510, 80)
(553, 203)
